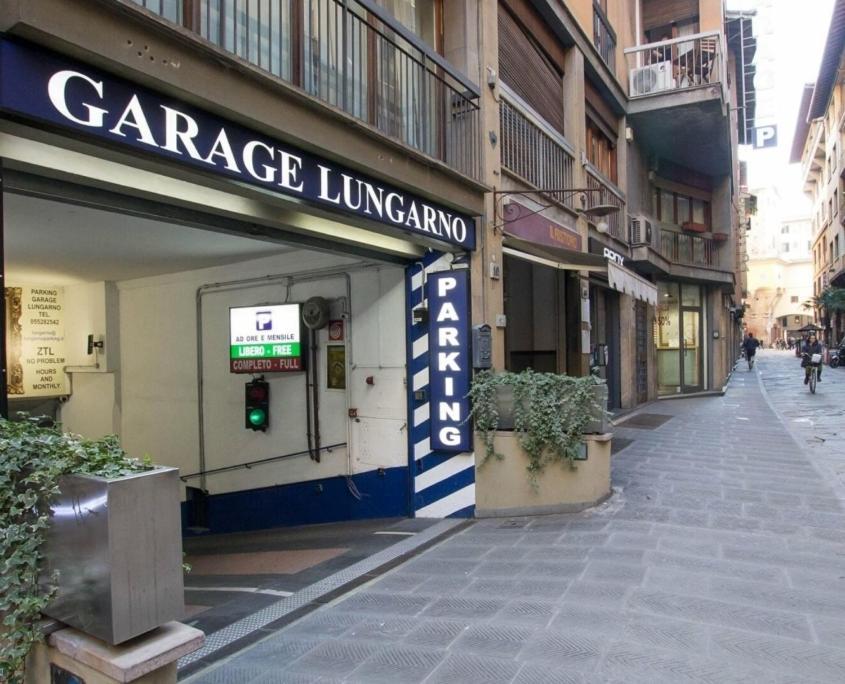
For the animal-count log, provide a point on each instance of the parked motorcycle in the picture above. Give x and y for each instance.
(835, 357)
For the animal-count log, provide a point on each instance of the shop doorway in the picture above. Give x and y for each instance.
(605, 333)
(678, 338)
(537, 302)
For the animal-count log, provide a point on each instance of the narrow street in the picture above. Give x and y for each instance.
(720, 558)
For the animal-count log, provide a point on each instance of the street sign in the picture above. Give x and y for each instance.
(765, 136)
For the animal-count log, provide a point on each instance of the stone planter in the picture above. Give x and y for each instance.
(599, 419)
(502, 487)
(117, 546)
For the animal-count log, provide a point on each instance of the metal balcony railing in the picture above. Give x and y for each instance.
(354, 56)
(676, 64)
(687, 250)
(609, 195)
(604, 37)
(533, 154)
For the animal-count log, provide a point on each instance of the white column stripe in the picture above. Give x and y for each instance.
(439, 265)
(449, 504)
(420, 346)
(420, 380)
(416, 281)
(452, 466)
(422, 448)
(421, 414)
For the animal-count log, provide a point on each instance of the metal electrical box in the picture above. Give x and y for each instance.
(482, 346)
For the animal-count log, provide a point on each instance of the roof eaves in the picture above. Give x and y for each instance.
(831, 58)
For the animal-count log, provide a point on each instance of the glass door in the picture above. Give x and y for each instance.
(691, 350)
(691, 342)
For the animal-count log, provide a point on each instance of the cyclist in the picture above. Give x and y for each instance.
(749, 345)
(810, 347)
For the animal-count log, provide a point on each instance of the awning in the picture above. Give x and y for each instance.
(631, 284)
(555, 257)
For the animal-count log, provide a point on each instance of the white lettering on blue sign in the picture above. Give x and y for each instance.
(50, 87)
(448, 297)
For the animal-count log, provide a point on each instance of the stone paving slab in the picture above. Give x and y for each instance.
(720, 558)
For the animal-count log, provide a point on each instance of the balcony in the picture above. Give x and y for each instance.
(608, 194)
(534, 153)
(679, 101)
(659, 250)
(353, 56)
(604, 39)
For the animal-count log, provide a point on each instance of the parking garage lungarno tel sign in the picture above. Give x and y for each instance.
(265, 339)
(49, 87)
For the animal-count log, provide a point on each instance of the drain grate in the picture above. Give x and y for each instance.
(645, 421)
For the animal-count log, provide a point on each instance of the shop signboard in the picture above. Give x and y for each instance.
(48, 87)
(449, 372)
(528, 224)
(35, 341)
(265, 339)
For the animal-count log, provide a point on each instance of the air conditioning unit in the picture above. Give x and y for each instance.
(639, 230)
(651, 79)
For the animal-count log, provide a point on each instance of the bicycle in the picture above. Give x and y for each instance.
(812, 362)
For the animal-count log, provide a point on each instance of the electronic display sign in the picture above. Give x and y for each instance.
(265, 339)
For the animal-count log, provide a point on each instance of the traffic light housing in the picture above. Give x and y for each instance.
(257, 405)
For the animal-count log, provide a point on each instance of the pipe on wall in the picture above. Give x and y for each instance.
(290, 279)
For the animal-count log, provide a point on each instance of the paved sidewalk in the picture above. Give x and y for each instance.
(817, 420)
(721, 558)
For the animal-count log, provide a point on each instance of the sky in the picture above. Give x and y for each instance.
(790, 39)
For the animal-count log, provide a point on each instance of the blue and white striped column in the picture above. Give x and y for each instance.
(443, 483)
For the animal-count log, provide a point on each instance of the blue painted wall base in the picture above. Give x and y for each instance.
(383, 495)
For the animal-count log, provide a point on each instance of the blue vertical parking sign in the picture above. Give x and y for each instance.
(449, 372)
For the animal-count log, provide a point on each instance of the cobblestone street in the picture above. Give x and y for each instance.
(720, 558)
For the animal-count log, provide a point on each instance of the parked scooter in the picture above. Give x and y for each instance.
(834, 357)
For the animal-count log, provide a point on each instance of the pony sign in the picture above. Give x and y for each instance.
(449, 373)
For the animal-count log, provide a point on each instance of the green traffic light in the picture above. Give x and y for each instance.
(257, 416)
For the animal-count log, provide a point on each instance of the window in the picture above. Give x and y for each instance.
(784, 247)
(784, 230)
(793, 299)
(836, 247)
(527, 69)
(601, 151)
(679, 208)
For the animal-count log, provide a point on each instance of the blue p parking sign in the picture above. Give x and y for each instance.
(765, 136)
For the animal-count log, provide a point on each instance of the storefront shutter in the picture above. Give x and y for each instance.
(527, 71)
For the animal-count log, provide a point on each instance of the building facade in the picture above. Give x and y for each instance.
(780, 271)
(181, 177)
(646, 89)
(818, 146)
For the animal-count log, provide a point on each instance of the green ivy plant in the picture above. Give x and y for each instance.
(550, 413)
(34, 454)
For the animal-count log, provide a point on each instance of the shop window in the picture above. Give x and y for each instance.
(690, 295)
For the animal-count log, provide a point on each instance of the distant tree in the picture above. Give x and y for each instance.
(831, 298)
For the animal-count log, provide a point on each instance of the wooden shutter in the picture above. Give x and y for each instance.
(528, 72)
